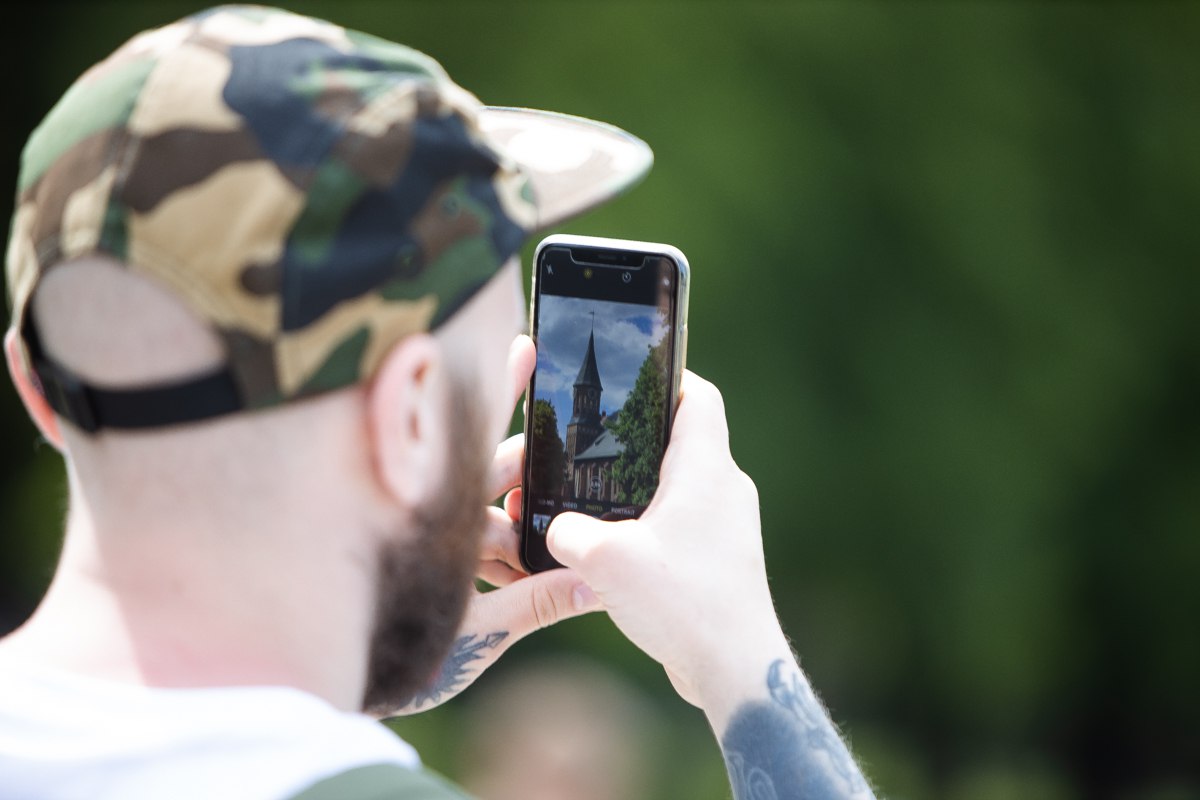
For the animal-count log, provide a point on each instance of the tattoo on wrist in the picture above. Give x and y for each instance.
(788, 749)
(452, 676)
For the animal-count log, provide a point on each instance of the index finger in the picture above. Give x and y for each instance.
(505, 470)
(522, 358)
(700, 417)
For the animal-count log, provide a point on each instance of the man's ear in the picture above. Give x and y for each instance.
(39, 410)
(409, 420)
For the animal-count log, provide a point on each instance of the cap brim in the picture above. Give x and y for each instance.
(573, 164)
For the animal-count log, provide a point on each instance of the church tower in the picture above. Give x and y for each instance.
(585, 423)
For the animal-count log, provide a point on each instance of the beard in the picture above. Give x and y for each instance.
(424, 580)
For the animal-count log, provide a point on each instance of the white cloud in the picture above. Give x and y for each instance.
(624, 333)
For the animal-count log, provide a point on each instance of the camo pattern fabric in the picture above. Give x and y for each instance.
(315, 193)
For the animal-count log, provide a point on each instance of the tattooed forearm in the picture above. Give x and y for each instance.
(787, 749)
(456, 669)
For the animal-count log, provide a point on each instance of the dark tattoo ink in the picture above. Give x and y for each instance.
(788, 749)
(453, 673)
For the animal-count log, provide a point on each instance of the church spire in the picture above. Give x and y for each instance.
(589, 373)
(586, 423)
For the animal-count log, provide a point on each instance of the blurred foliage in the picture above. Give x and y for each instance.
(945, 273)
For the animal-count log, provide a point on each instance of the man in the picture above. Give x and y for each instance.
(264, 286)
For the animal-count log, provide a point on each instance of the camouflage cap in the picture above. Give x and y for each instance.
(313, 193)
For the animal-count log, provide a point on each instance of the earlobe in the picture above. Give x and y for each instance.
(409, 420)
(39, 410)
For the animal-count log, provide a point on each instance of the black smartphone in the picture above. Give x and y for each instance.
(609, 318)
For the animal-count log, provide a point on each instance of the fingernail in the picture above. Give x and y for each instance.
(584, 598)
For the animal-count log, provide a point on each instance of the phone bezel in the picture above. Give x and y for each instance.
(678, 334)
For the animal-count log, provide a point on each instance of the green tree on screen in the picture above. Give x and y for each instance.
(547, 451)
(639, 427)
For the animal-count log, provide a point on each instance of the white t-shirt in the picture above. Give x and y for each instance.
(69, 736)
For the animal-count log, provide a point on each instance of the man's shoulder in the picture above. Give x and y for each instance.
(60, 730)
(382, 782)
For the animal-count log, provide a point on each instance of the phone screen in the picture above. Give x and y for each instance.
(600, 402)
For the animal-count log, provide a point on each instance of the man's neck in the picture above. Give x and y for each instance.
(207, 599)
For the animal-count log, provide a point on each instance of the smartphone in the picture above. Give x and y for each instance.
(609, 318)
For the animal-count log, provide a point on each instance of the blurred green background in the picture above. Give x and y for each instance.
(945, 273)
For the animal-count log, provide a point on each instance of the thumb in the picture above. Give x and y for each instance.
(538, 601)
(572, 537)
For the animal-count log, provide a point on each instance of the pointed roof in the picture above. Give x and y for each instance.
(589, 373)
(606, 446)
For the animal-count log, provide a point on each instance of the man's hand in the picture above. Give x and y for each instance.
(686, 582)
(688, 585)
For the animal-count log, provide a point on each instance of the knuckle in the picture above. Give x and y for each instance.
(718, 399)
(544, 606)
(709, 392)
(748, 487)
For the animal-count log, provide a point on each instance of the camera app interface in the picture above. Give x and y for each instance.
(602, 389)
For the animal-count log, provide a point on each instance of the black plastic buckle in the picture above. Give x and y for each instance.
(67, 395)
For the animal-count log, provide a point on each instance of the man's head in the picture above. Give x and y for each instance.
(313, 193)
(251, 245)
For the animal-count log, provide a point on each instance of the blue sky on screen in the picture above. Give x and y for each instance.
(624, 334)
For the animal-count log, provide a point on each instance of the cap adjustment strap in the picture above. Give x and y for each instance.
(67, 395)
(92, 407)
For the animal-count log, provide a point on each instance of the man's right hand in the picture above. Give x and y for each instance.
(687, 584)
